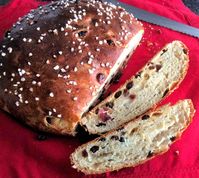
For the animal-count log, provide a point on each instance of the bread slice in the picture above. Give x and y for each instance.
(136, 142)
(143, 91)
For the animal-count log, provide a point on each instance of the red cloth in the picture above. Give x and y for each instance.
(21, 155)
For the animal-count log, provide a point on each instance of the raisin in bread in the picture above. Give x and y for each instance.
(56, 61)
(136, 142)
(143, 91)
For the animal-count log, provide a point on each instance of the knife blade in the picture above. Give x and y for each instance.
(158, 20)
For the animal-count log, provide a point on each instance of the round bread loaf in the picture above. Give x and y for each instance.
(56, 61)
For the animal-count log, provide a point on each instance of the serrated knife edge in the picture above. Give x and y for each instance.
(158, 20)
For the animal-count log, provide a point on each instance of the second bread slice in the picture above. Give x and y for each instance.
(142, 92)
(136, 142)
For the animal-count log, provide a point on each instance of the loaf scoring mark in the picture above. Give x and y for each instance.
(94, 149)
(165, 93)
(145, 117)
(150, 154)
(84, 154)
(118, 94)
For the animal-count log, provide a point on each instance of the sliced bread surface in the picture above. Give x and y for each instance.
(136, 142)
(161, 75)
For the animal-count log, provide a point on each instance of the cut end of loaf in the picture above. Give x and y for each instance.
(136, 142)
(89, 40)
(123, 58)
(159, 78)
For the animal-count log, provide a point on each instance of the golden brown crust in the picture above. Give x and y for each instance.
(54, 60)
(189, 120)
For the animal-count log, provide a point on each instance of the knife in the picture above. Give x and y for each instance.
(158, 20)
